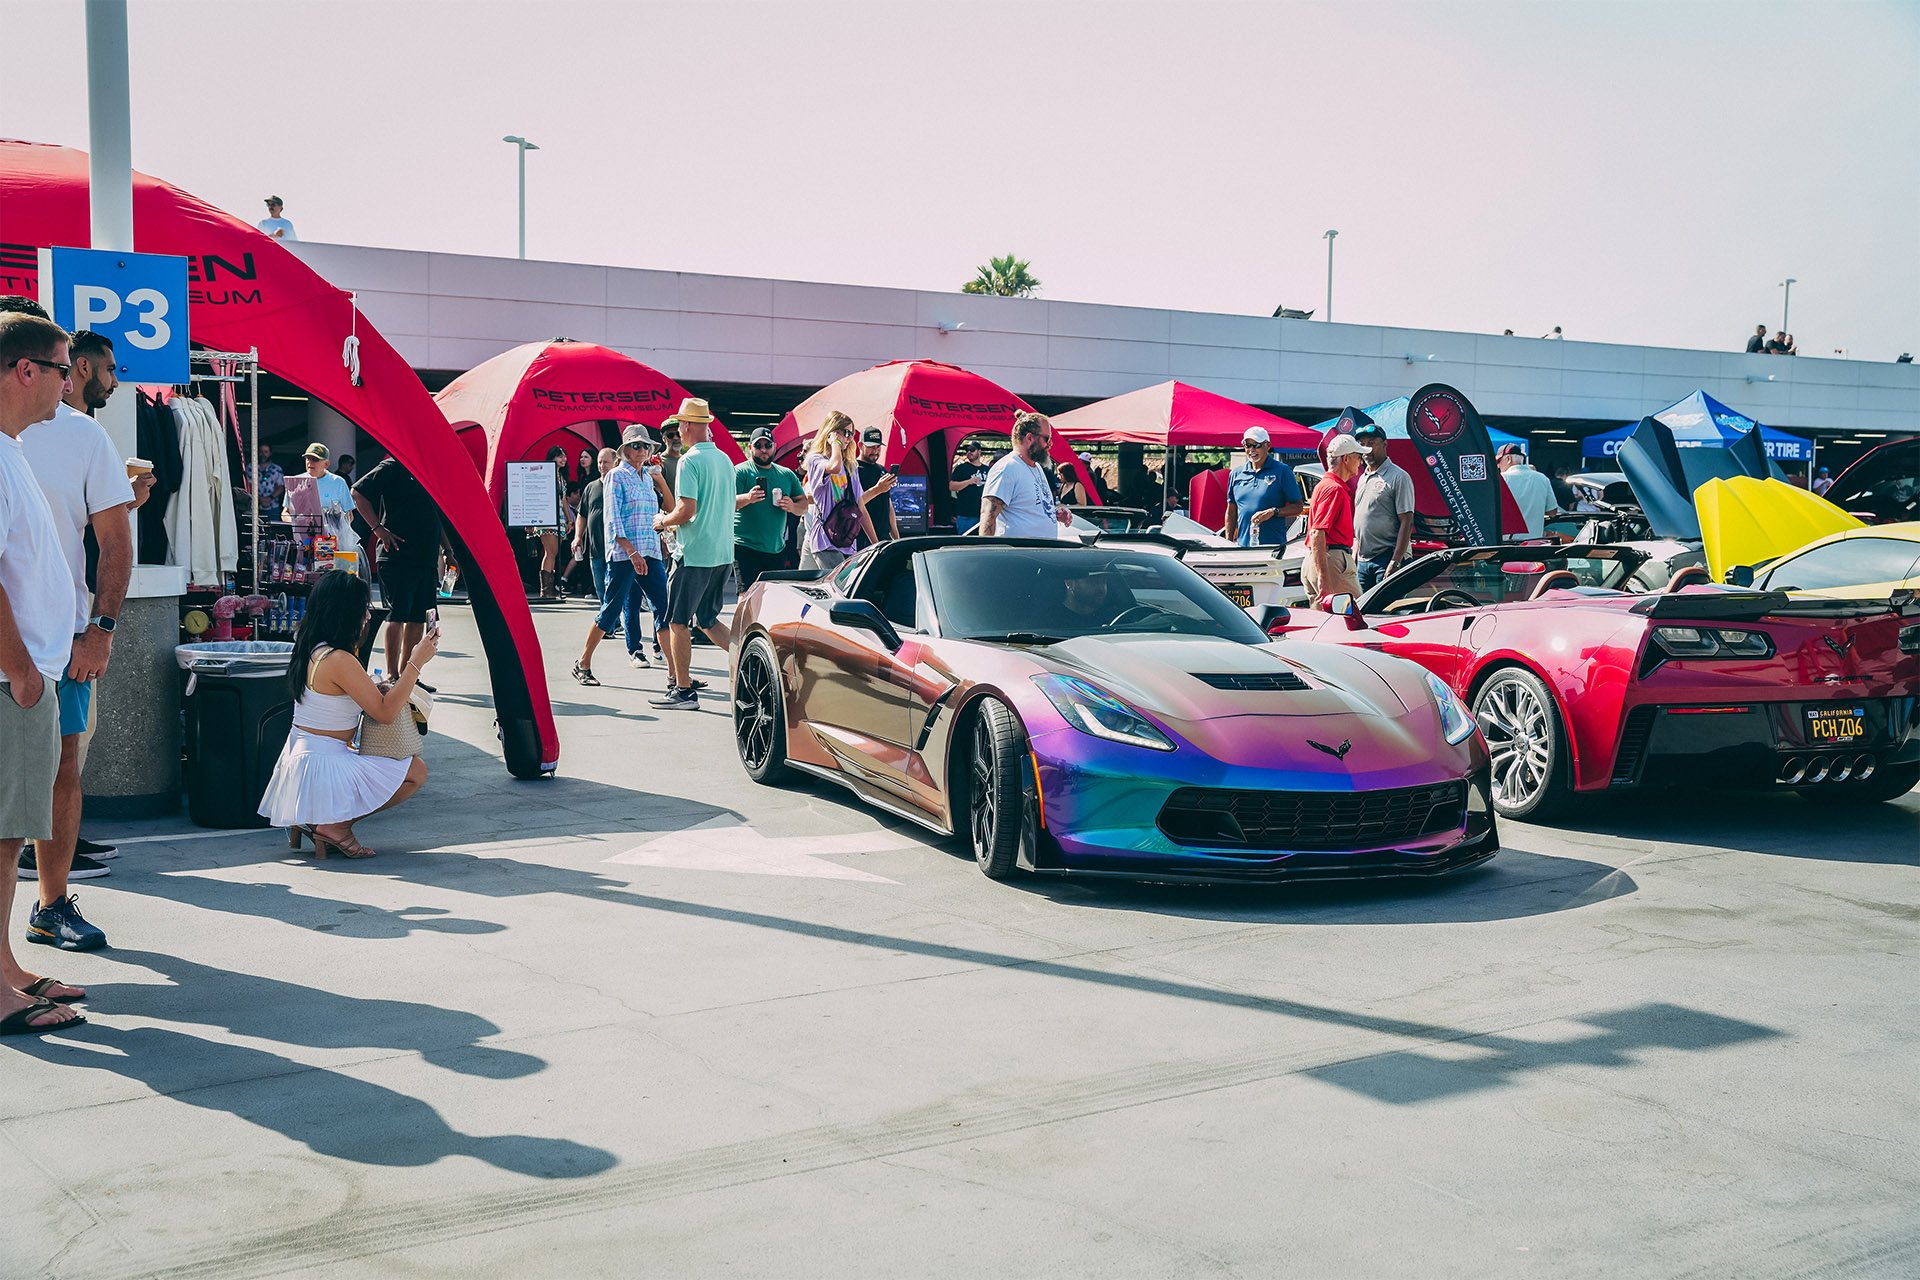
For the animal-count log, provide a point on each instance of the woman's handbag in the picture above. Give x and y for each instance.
(401, 740)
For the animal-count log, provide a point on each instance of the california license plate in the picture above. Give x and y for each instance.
(1836, 726)
(1238, 593)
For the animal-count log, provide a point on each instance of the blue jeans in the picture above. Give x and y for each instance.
(597, 566)
(625, 591)
(1371, 571)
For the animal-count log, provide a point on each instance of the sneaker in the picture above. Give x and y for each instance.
(98, 852)
(61, 925)
(84, 868)
(639, 658)
(696, 685)
(676, 700)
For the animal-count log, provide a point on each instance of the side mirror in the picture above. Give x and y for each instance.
(1741, 575)
(1345, 606)
(865, 615)
(1273, 617)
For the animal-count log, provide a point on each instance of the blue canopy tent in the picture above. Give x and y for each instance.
(1701, 421)
(1392, 417)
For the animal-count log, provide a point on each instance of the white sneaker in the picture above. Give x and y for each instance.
(639, 658)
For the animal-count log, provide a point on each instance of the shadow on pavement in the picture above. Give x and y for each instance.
(1514, 885)
(1785, 826)
(1413, 1077)
(330, 1113)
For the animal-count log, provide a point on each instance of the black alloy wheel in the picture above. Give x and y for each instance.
(997, 813)
(760, 713)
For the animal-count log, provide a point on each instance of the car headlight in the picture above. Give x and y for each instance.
(1455, 723)
(1712, 642)
(1100, 714)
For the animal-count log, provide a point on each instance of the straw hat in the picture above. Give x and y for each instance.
(693, 409)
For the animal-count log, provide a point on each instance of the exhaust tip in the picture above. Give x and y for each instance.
(1793, 770)
(1819, 768)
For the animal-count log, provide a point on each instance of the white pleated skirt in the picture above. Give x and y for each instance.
(320, 780)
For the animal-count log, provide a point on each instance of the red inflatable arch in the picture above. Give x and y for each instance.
(524, 401)
(250, 291)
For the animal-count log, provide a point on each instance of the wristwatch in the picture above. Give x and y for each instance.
(105, 623)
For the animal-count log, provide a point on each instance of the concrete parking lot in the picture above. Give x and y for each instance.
(646, 1018)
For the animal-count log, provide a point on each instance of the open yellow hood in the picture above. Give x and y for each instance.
(1749, 521)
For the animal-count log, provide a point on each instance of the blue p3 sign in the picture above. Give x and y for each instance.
(137, 300)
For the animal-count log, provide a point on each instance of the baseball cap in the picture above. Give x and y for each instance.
(1342, 446)
(273, 200)
(636, 434)
(1510, 451)
(1084, 457)
(1371, 429)
(872, 435)
(317, 450)
(761, 435)
(1256, 435)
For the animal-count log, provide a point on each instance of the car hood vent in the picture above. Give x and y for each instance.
(1253, 681)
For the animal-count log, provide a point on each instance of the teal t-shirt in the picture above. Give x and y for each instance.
(763, 526)
(706, 476)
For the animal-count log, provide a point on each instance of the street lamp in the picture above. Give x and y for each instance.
(525, 147)
(1786, 302)
(1328, 237)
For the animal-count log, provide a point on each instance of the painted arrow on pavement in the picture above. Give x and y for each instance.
(744, 851)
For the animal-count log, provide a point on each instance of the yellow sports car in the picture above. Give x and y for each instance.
(1868, 563)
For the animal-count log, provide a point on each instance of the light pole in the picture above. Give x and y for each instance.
(1786, 303)
(525, 147)
(1329, 239)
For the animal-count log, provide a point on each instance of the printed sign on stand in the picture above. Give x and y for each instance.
(533, 500)
(138, 301)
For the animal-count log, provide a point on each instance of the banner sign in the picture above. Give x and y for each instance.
(1349, 422)
(1453, 442)
(137, 301)
(533, 498)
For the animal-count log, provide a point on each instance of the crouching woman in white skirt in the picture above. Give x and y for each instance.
(321, 785)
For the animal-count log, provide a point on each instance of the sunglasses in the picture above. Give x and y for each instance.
(65, 370)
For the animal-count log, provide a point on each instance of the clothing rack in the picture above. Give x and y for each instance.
(246, 366)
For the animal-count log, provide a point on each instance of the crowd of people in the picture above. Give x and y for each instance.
(1781, 343)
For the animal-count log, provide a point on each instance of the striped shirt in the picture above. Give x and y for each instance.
(631, 506)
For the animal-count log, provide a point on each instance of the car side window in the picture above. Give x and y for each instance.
(1847, 563)
(897, 592)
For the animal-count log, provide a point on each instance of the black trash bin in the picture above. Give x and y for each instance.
(238, 712)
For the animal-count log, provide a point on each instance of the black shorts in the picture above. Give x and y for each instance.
(409, 590)
(752, 563)
(693, 594)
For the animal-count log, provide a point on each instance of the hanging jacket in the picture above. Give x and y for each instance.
(157, 439)
(201, 524)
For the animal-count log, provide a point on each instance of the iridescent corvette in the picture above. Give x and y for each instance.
(1103, 710)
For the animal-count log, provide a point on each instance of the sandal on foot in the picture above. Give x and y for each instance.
(584, 675)
(39, 987)
(20, 1021)
(347, 848)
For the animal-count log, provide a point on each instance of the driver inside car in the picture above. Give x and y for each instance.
(1093, 599)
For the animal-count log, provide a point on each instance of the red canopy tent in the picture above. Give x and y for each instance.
(523, 402)
(250, 291)
(1175, 413)
(914, 401)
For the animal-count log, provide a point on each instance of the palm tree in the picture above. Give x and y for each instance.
(1006, 277)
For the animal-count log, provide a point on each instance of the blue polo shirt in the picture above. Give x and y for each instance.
(1268, 489)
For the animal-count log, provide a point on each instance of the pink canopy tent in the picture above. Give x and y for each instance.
(524, 401)
(250, 291)
(915, 401)
(1175, 413)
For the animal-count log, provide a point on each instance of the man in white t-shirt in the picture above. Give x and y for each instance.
(85, 483)
(1532, 492)
(1017, 501)
(36, 640)
(274, 224)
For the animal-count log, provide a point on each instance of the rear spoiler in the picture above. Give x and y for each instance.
(1719, 604)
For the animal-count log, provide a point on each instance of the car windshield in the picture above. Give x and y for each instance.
(1496, 577)
(1847, 562)
(1038, 595)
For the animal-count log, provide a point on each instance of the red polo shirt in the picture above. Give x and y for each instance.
(1332, 510)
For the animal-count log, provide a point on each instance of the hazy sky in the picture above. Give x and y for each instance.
(1633, 172)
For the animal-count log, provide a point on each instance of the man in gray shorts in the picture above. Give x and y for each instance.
(703, 512)
(36, 639)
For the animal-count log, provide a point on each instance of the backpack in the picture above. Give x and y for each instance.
(842, 523)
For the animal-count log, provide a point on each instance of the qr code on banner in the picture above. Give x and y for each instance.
(1473, 466)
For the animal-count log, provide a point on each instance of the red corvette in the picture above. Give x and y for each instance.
(1581, 685)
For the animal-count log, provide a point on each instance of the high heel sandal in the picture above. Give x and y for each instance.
(348, 848)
